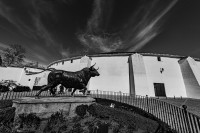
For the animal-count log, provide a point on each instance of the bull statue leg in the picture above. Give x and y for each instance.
(49, 86)
(72, 94)
(84, 90)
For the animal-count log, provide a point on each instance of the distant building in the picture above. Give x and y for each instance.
(135, 73)
(18, 74)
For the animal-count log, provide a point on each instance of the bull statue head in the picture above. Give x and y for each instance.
(94, 71)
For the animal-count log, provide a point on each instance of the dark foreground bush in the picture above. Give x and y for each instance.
(3, 88)
(21, 89)
(56, 123)
(6, 119)
(27, 122)
(5, 103)
(36, 88)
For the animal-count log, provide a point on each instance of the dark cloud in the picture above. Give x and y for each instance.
(142, 25)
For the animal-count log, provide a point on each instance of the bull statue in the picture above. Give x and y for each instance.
(76, 80)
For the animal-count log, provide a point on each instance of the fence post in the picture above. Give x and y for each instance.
(6, 95)
(147, 104)
(97, 93)
(186, 116)
(120, 96)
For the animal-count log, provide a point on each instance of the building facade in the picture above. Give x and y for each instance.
(135, 73)
(140, 73)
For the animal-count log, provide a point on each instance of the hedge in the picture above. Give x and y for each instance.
(21, 89)
(3, 88)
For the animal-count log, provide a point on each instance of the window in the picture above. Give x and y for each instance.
(159, 89)
(159, 58)
(71, 61)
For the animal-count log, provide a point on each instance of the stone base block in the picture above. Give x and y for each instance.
(45, 107)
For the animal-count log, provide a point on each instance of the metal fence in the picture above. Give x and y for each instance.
(177, 118)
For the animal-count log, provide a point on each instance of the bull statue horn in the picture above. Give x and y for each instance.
(93, 65)
(97, 68)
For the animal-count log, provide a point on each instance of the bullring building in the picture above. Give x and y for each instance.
(140, 73)
(143, 74)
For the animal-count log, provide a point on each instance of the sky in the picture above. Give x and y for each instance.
(51, 30)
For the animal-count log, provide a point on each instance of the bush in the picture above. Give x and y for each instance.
(29, 121)
(3, 88)
(21, 89)
(5, 103)
(56, 122)
(36, 88)
(81, 110)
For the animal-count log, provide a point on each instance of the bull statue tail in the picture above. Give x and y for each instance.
(48, 69)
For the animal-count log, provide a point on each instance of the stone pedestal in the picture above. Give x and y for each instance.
(45, 107)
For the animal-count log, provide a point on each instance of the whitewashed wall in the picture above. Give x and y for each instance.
(114, 74)
(10, 73)
(67, 65)
(140, 83)
(19, 75)
(191, 77)
(171, 76)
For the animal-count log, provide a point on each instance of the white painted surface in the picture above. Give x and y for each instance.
(190, 72)
(114, 74)
(171, 76)
(10, 73)
(19, 75)
(140, 76)
(68, 65)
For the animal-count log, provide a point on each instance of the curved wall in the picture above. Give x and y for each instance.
(140, 74)
(137, 74)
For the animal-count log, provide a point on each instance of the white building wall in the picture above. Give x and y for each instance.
(171, 76)
(19, 75)
(73, 65)
(10, 73)
(191, 76)
(30, 80)
(114, 74)
(139, 75)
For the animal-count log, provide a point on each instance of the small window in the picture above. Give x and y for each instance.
(159, 58)
(62, 62)
(71, 61)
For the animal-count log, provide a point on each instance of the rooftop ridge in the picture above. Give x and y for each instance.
(120, 54)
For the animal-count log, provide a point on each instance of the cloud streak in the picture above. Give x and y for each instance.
(142, 26)
(34, 28)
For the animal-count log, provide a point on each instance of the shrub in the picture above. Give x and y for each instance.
(56, 122)
(7, 115)
(21, 89)
(81, 110)
(6, 119)
(5, 103)
(36, 88)
(29, 121)
(3, 88)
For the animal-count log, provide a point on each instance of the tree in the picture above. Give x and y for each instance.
(0, 61)
(13, 55)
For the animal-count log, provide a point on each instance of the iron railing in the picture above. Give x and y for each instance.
(178, 118)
